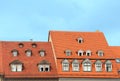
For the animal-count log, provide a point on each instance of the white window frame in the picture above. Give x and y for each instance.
(98, 67)
(75, 67)
(42, 53)
(16, 67)
(80, 40)
(100, 53)
(88, 52)
(28, 53)
(15, 53)
(65, 66)
(68, 52)
(44, 68)
(80, 51)
(110, 67)
(87, 67)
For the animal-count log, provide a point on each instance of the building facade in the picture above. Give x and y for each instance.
(67, 56)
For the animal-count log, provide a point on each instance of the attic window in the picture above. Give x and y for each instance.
(68, 52)
(100, 53)
(14, 52)
(88, 53)
(16, 66)
(21, 45)
(44, 66)
(34, 45)
(80, 53)
(42, 53)
(80, 40)
(28, 53)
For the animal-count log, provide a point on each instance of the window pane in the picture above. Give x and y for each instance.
(13, 67)
(19, 67)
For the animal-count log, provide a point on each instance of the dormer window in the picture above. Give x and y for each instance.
(80, 53)
(42, 53)
(28, 53)
(88, 53)
(14, 52)
(98, 66)
(68, 52)
(80, 40)
(44, 66)
(65, 65)
(34, 45)
(75, 65)
(100, 53)
(108, 66)
(21, 45)
(87, 65)
(16, 66)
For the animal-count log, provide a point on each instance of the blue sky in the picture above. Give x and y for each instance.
(21, 20)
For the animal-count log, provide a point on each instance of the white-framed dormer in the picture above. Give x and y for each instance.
(98, 66)
(80, 40)
(88, 53)
(100, 53)
(44, 66)
(65, 65)
(14, 52)
(108, 66)
(75, 65)
(28, 52)
(42, 53)
(68, 52)
(16, 66)
(87, 65)
(80, 52)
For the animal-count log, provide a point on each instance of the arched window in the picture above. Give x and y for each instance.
(100, 53)
(87, 66)
(65, 65)
(80, 53)
(80, 40)
(68, 52)
(108, 66)
(75, 65)
(98, 65)
(14, 52)
(88, 53)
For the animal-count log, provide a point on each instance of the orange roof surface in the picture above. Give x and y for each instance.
(58, 43)
(30, 69)
(93, 41)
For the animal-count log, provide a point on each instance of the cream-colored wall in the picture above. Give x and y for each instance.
(86, 79)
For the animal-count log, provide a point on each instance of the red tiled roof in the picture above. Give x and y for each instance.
(30, 68)
(1, 59)
(94, 41)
